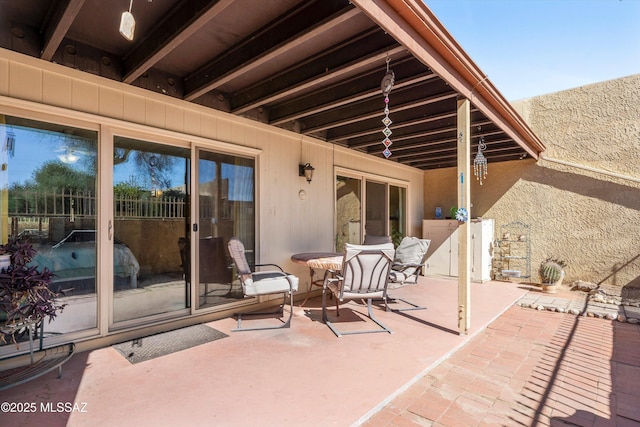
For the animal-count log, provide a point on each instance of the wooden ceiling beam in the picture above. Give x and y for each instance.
(61, 19)
(303, 23)
(357, 88)
(418, 135)
(372, 48)
(172, 31)
(355, 136)
(428, 158)
(349, 114)
(336, 119)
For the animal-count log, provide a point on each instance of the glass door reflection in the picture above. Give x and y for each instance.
(348, 211)
(48, 198)
(226, 208)
(151, 224)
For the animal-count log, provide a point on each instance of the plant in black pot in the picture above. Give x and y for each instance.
(26, 297)
(551, 272)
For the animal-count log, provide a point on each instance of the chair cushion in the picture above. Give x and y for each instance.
(334, 287)
(398, 276)
(269, 282)
(410, 251)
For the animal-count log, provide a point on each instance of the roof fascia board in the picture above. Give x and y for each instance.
(414, 26)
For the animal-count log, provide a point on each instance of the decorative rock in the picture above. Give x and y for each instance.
(632, 320)
(622, 318)
(560, 310)
(598, 315)
(574, 311)
(609, 316)
(551, 309)
(540, 307)
(584, 286)
(590, 314)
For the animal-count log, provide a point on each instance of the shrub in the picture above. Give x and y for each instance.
(25, 294)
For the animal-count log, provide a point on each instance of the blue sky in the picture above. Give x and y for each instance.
(534, 47)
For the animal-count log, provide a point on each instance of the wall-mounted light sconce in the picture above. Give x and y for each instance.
(306, 170)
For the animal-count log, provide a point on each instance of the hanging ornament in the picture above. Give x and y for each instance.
(386, 85)
(480, 168)
(127, 23)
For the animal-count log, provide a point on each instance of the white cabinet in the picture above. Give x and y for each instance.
(442, 233)
(442, 257)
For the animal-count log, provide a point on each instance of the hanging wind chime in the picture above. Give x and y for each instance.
(386, 85)
(480, 162)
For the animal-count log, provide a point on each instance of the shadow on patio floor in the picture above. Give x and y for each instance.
(291, 376)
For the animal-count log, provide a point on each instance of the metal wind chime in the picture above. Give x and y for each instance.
(386, 85)
(480, 162)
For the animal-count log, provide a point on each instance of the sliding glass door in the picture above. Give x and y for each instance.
(348, 211)
(376, 223)
(48, 181)
(397, 213)
(150, 228)
(129, 245)
(384, 213)
(226, 209)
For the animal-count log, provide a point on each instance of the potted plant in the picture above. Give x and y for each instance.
(551, 274)
(26, 298)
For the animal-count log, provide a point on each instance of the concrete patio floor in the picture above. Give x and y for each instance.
(422, 374)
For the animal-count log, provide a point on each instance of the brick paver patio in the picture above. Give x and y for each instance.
(530, 368)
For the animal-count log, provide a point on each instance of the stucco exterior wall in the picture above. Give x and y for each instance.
(582, 198)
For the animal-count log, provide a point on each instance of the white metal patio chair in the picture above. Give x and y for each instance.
(262, 283)
(364, 275)
(409, 260)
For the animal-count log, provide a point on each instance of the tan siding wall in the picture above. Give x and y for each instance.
(588, 218)
(287, 224)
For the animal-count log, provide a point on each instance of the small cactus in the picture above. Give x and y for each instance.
(551, 269)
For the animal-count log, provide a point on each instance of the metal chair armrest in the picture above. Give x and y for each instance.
(273, 265)
(406, 265)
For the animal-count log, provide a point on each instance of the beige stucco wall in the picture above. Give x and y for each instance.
(583, 202)
(287, 223)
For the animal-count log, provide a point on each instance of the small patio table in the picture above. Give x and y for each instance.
(329, 261)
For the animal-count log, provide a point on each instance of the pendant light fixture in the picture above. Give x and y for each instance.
(127, 24)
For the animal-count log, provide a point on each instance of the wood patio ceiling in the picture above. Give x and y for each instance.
(313, 67)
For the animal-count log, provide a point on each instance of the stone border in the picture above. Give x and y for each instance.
(590, 305)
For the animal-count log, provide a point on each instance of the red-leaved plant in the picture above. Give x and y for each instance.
(25, 294)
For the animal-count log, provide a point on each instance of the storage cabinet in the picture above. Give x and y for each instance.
(442, 256)
(513, 252)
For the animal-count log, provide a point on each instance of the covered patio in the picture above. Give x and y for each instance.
(311, 67)
(292, 82)
(298, 376)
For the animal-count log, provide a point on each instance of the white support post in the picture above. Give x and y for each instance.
(464, 201)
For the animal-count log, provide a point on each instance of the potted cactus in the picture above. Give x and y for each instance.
(551, 274)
